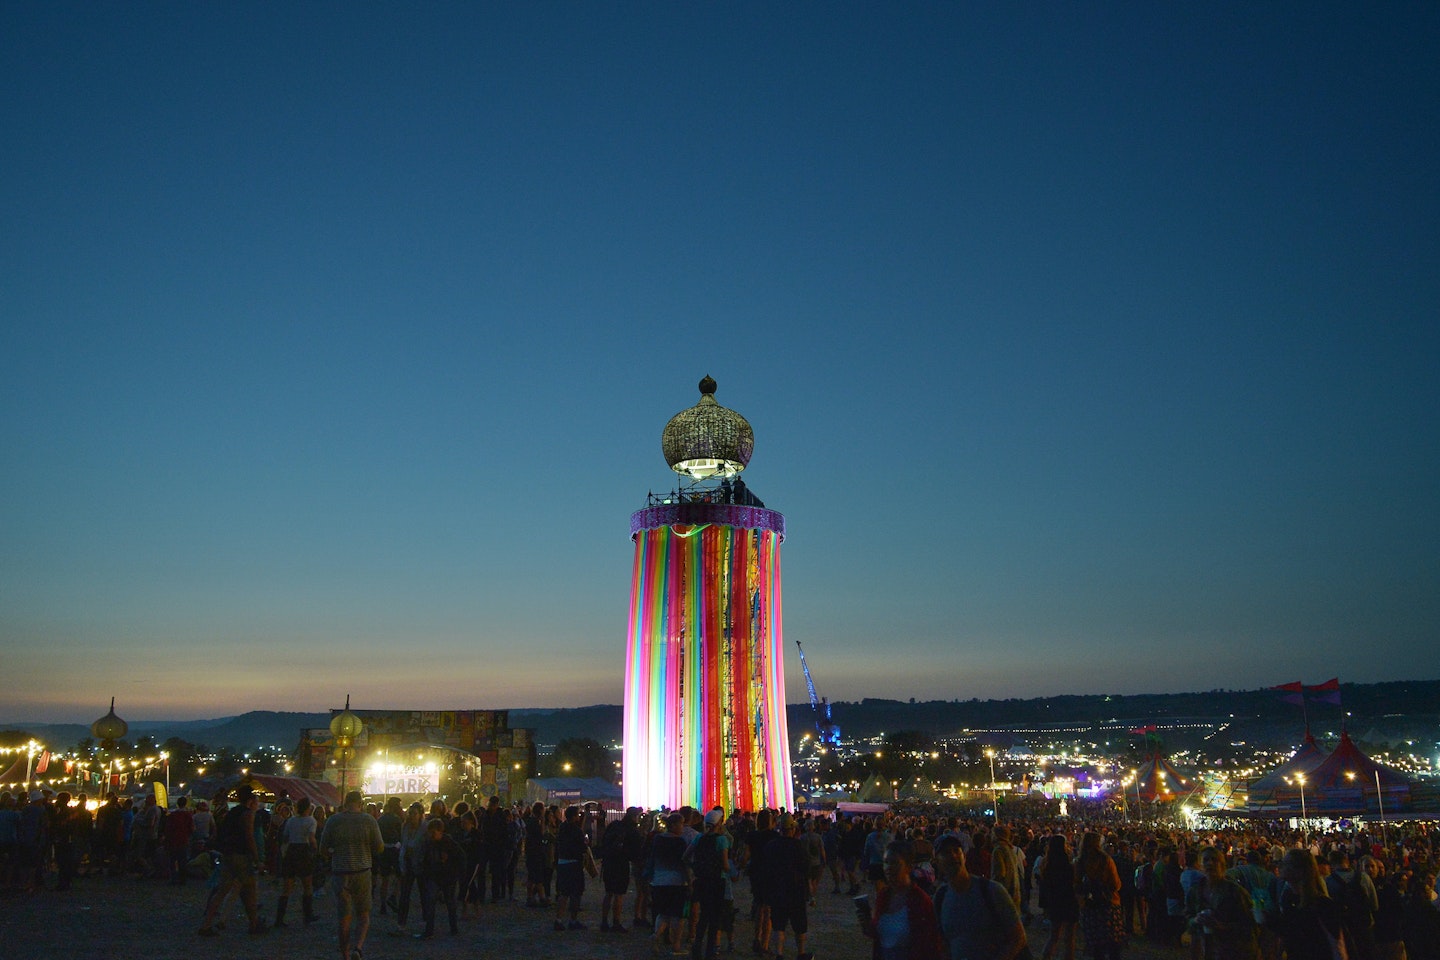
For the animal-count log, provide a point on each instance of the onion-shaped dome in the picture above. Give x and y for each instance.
(707, 440)
(346, 724)
(109, 728)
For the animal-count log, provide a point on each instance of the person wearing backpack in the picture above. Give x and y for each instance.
(1261, 883)
(976, 917)
(1223, 912)
(709, 858)
(1358, 903)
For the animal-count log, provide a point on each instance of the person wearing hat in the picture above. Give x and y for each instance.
(352, 838)
(239, 862)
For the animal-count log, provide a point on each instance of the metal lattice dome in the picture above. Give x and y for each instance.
(109, 727)
(707, 440)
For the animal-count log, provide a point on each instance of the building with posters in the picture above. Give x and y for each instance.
(705, 717)
(420, 754)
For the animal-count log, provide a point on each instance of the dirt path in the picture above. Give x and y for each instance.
(128, 919)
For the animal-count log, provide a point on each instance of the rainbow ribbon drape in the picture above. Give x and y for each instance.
(704, 667)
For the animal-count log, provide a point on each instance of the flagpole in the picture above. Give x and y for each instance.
(29, 764)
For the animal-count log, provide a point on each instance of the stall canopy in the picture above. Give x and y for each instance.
(316, 791)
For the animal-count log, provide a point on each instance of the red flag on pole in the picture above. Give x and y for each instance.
(44, 762)
(1327, 692)
(1291, 693)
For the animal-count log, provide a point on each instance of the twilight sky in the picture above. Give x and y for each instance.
(1087, 350)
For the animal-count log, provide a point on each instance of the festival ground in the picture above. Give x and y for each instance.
(121, 919)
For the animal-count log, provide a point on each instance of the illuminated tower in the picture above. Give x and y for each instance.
(704, 658)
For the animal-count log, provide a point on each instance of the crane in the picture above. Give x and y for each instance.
(827, 731)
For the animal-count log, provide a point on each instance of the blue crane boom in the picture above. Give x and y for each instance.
(826, 729)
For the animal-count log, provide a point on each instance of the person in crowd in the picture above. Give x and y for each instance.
(572, 861)
(877, 841)
(1169, 899)
(412, 851)
(1255, 876)
(787, 880)
(539, 856)
(472, 884)
(709, 859)
(495, 832)
(1007, 866)
(144, 832)
(1222, 913)
(352, 839)
(812, 842)
(179, 826)
(618, 846)
(1124, 856)
(297, 861)
(1099, 881)
(1422, 918)
(387, 867)
(1056, 881)
(829, 831)
(669, 884)
(203, 824)
(1389, 910)
(442, 866)
(757, 842)
(1355, 892)
(901, 921)
(852, 848)
(1308, 921)
(239, 862)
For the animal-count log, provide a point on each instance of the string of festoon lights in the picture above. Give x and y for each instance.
(44, 769)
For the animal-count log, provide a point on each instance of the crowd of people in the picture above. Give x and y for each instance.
(926, 885)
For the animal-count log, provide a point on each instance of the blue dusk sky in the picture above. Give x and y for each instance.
(1089, 348)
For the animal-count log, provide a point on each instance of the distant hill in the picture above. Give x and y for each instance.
(1405, 709)
(257, 728)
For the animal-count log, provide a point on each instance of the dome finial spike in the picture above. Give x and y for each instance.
(708, 385)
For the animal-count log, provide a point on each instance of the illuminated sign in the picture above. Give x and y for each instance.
(388, 780)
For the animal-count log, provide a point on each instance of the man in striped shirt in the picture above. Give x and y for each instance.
(353, 840)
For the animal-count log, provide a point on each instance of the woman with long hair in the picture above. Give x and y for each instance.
(1224, 913)
(1056, 883)
(901, 922)
(1099, 887)
(1308, 922)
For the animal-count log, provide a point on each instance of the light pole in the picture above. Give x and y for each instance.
(1304, 825)
(1384, 833)
(994, 791)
